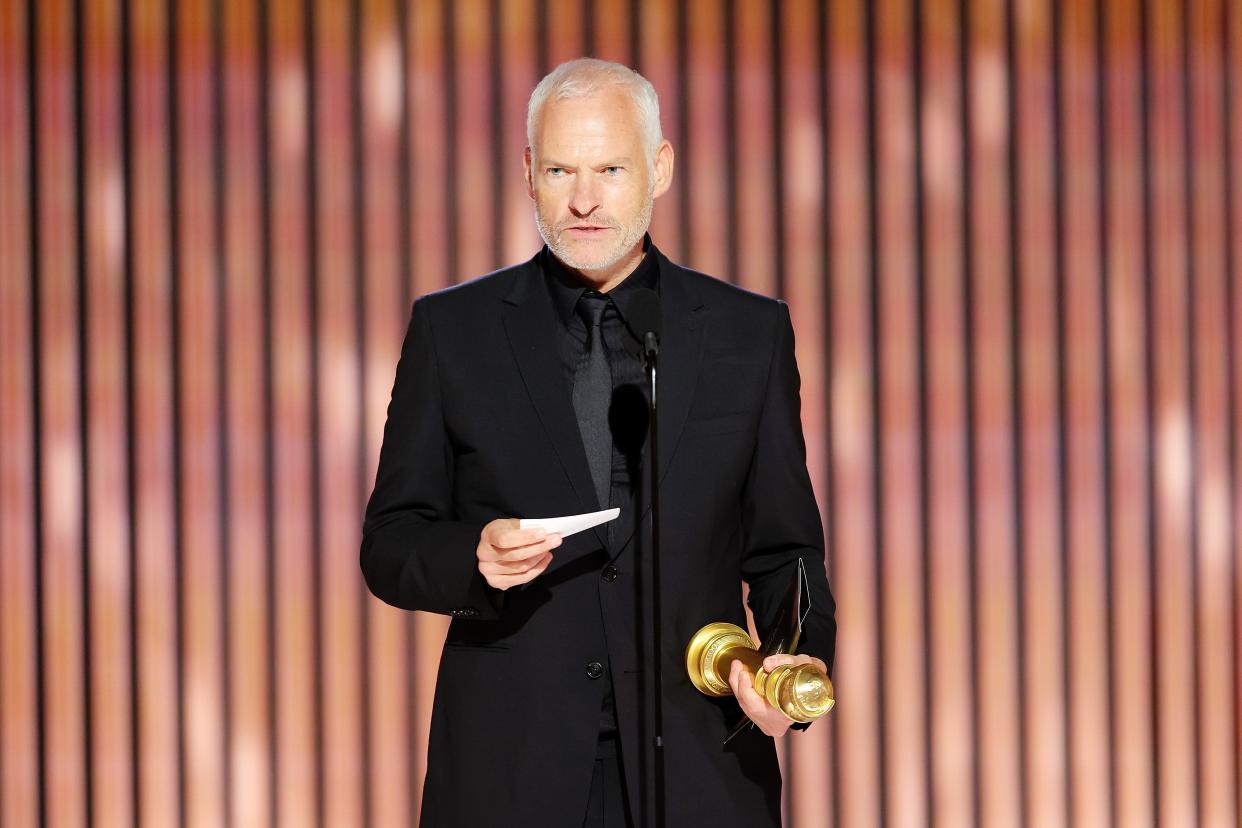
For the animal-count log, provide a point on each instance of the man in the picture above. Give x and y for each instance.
(520, 394)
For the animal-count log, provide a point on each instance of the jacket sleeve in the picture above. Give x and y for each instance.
(780, 517)
(415, 553)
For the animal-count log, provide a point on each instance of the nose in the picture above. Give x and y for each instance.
(584, 200)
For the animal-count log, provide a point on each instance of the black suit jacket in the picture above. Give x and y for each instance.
(481, 426)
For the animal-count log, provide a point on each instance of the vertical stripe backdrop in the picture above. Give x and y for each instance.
(1009, 233)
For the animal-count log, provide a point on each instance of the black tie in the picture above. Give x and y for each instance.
(593, 394)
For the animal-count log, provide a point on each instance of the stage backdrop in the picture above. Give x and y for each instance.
(1009, 234)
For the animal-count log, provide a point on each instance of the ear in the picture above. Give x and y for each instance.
(663, 169)
(529, 173)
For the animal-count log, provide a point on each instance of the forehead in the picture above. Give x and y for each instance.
(604, 122)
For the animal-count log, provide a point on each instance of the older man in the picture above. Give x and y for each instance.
(521, 394)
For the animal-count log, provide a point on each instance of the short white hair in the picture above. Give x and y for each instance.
(584, 77)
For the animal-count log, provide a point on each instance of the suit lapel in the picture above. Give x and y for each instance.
(532, 328)
(681, 353)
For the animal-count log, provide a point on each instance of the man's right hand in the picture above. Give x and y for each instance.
(509, 556)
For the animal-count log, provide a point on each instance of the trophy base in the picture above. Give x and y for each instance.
(704, 656)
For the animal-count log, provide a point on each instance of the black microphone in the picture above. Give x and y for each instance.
(644, 319)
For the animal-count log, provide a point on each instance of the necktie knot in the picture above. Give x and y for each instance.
(591, 308)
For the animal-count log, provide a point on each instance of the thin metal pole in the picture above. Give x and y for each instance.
(657, 661)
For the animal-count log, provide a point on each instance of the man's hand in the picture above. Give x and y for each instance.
(770, 720)
(509, 556)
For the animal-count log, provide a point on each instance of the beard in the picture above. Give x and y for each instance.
(601, 259)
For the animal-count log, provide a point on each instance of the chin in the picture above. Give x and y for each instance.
(587, 257)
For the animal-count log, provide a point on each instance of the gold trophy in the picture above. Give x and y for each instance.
(801, 691)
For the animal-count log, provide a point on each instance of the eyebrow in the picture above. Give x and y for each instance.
(625, 161)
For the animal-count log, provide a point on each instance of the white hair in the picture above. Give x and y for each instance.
(584, 77)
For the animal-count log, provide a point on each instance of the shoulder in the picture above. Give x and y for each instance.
(736, 308)
(718, 291)
(480, 295)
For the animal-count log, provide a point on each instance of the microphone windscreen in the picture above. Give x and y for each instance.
(643, 313)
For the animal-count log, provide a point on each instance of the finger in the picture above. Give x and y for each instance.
(743, 682)
(770, 720)
(532, 552)
(505, 580)
(521, 553)
(537, 569)
(505, 567)
(752, 703)
(773, 661)
(740, 679)
(506, 537)
(735, 671)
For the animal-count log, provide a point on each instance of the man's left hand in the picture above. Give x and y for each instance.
(770, 720)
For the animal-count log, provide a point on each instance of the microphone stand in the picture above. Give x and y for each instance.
(651, 351)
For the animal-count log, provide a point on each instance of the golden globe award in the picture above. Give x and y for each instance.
(801, 691)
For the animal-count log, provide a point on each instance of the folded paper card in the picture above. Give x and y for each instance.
(570, 524)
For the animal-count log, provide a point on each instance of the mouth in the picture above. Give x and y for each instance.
(587, 231)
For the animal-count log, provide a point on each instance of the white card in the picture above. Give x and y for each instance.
(570, 524)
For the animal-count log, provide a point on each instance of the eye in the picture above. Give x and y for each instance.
(556, 172)
(613, 170)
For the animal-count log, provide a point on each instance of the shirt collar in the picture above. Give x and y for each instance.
(566, 288)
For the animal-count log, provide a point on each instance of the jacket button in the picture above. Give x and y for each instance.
(595, 670)
(610, 573)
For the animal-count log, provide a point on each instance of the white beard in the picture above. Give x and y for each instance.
(631, 235)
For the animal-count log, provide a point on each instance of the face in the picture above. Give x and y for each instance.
(593, 184)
